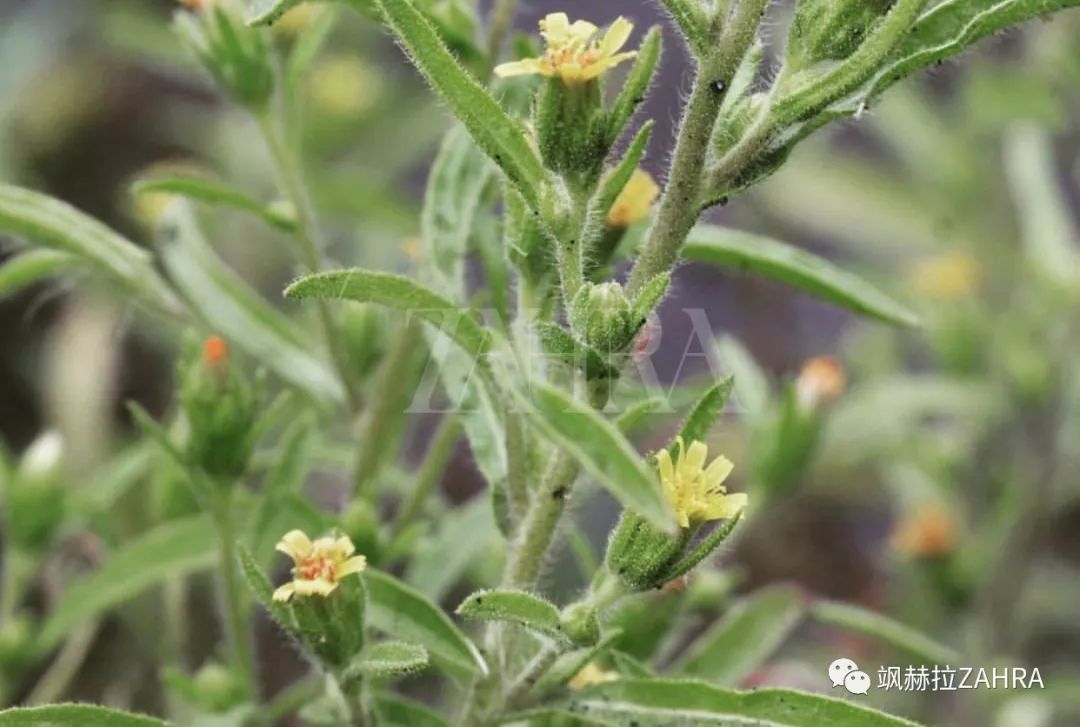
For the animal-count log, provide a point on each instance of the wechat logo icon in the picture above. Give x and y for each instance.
(846, 673)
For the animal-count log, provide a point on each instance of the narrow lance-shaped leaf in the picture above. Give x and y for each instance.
(216, 193)
(31, 267)
(172, 549)
(455, 188)
(74, 715)
(667, 701)
(703, 416)
(518, 607)
(798, 268)
(634, 90)
(45, 221)
(747, 635)
(233, 309)
(689, 15)
(751, 388)
(395, 291)
(387, 659)
(404, 613)
(501, 137)
(881, 627)
(393, 711)
(600, 448)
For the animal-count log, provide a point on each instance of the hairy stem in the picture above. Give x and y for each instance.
(681, 204)
(233, 592)
(290, 176)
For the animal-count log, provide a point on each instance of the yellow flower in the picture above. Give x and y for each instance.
(950, 276)
(573, 52)
(591, 674)
(318, 566)
(635, 202)
(697, 493)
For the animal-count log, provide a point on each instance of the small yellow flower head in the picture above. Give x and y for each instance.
(635, 202)
(573, 52)
(950, 276)
(697, 493)
(318, 566)
(591, 674)
(821, 381)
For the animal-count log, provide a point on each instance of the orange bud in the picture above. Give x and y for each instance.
(931, 533)
(215, 351)
(821, 381)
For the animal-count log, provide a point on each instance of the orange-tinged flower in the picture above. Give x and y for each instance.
(635, 202)
(930, 533)
(573, 52)
(821, 381)
(697, 493)
(215, 351)
(318, 566)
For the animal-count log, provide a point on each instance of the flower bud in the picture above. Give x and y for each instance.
(217, 689)
(603, 317)
(820, 383)
(569, 123)
(641, 555)
(580, 623)
(221, 409)
(634, 204)
(239, 57)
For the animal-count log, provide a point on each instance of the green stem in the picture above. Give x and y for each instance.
(538, 527)
(681, 204)
(237, 630)
(854, 71)
(431, 470)
(290, 701)
(393, 386)
(290, 176)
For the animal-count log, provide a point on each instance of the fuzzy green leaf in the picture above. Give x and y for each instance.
(214, 192)
(233, 309)
(798, 268)
(633, 92)
(455, 188)
(264, 593)
(600, 448)
(656, 702)
(388, 659)
(703, 416)
(615, 180)
(74, 715)
(398, 292)
(518, 607)
(31, 267)
(169, 550)
(558, 343)
(45, 221)
(690, 16)
(501, 137)
(879, 626)
(404, 613)
(747, 635)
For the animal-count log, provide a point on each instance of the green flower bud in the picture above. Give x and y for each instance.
(570, 128)
(642, 556)
(580, 624)
(217, 689)
(363, 336)
(603, 317)
(824, 30)
(221, 409)
(239, 58)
